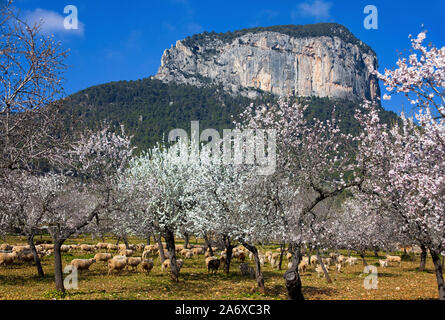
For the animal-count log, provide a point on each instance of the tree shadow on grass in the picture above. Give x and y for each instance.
(310, 291)
(25, 280)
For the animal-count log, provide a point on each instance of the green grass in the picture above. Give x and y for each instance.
(19, 281)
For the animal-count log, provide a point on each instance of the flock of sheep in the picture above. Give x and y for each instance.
(119, 257)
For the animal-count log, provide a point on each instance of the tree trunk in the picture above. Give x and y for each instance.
(326, 273)
(439, 274)
(258, 274)
(36, 256)
(186, 240)
(362, 255)
(161, 248)
(148, 239)
(282, 246)
(127, 246)
(376, 253)
(422, 258)
(58, 272)
(292, 277)
(118, 239)
(229, 248)
(170, 241)
(208, 244)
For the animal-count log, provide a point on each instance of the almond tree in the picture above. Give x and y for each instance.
(85, 190)
(155, 183)
(420, 77)
(313, 156)
(405, 166)
(31, 67)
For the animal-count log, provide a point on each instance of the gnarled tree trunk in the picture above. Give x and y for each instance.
(35, 255)
(58, 272)
(170, 242)
(325, 271)
(229, 248)
(292, 277)
(282, 247)
(423, 255)
(362, 255)
(161, 248)
(208, 244)
(439, 274)
(258, 274)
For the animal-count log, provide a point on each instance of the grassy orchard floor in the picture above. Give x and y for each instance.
(19, 281)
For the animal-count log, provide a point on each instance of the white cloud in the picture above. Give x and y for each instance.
(52, 22)
(317, 9)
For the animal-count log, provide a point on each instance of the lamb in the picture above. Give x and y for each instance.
(189, 255)
(82, 264)
(133, 262)
(26, 255)
(268, 255)
(289, 256)
(394, 259)
(147, 265)
(383, 263)
(117, 263)
(122, 246)
(246, 270)
(8, 258)
(289, 265)
(140, 247)
(102, 257)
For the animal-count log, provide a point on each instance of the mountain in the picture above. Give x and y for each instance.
(323, 60)
(212, 77)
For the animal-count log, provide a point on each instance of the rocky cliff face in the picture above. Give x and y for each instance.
(323, 66)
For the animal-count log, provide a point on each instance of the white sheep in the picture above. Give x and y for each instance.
(82, 264)
(8, 258)
(147, 265)
(117, 263)
(133, 262)
(396, 259)
(102, 257)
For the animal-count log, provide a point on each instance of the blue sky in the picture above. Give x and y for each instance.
(124, 40)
